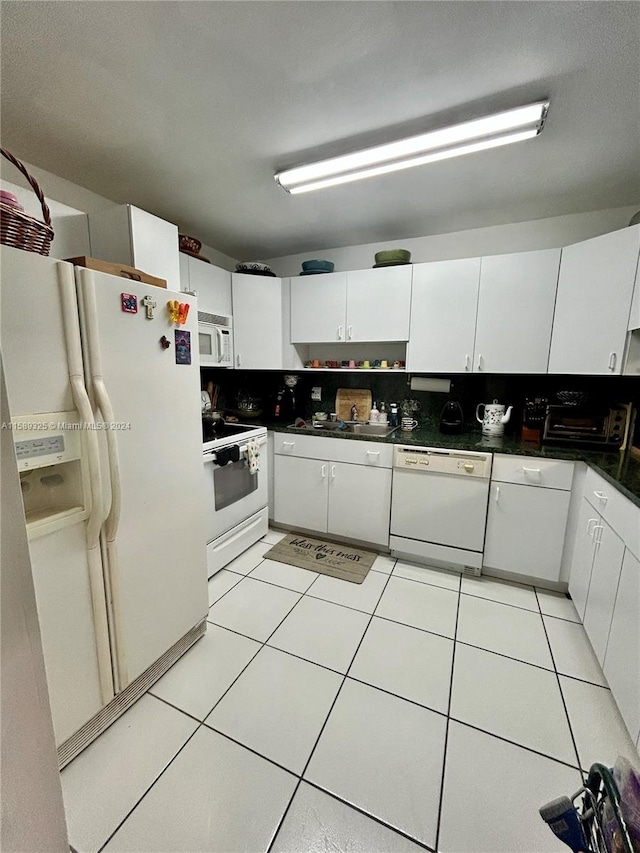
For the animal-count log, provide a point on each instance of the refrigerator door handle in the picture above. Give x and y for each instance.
(96, 517)
(113, 518)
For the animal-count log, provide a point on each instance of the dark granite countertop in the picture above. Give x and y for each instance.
(620, 469)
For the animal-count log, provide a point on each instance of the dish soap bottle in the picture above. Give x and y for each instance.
(393, 414)
(382, 416)
(374, 415)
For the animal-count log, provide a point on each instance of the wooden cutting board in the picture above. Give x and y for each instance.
(348, 397)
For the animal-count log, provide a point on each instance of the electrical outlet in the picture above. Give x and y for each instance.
(316, 393)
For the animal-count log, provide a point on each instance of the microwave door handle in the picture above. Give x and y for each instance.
(220, 344)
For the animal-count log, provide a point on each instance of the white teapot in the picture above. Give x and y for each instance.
(494, 417)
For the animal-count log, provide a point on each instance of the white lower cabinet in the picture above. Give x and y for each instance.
(605, 588)
(527, 519)
(582, 559)
(605, 574)
(525, 530)
(621, 662)
(300, 492)
(344, 491)
(359, 502)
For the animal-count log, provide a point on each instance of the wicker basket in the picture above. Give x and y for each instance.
(17, 228)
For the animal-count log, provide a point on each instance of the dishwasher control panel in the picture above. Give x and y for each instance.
(462, 463)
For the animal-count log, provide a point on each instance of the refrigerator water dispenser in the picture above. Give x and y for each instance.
(53, 475)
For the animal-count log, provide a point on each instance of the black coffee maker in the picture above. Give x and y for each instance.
(452, 419)
(286, 407)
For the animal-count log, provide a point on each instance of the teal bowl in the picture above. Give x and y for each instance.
(325, 266)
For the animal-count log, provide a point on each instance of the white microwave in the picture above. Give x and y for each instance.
(215, 340)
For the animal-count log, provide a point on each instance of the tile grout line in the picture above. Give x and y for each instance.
(514, 743)
(564, 704)
(369, 815)
(137, 803)
(448, 724)
(414, 628)
(300, 779)
(344, 678)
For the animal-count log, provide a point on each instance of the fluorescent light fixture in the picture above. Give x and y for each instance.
(465, 138)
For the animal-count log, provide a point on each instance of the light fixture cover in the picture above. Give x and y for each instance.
(467, 137)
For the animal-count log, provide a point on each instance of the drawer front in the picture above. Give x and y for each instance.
(617, 510)
(334, 449)
(532, 471)
(362, 452)
(306, 446)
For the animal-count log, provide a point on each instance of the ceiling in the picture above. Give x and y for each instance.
(187, 109)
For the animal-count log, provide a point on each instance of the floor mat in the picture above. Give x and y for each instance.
(327, 558)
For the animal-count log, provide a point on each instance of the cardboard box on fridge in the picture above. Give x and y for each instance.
(121, 270)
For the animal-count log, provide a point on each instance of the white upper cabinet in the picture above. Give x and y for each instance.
(364, 305)
(515, 312)
(490, 315)
(318, 308)
(127, 235)
(261, 324)
(595, 290)
(211, 284)
(379, 304)
(444, 302)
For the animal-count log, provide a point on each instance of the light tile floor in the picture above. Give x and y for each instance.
(415, 711)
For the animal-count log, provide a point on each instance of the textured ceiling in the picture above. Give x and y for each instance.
(186, 109)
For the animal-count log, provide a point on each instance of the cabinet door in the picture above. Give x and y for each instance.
(515, 312)
(622, 659)
(300, 492)
(360, 502)
(582, 559)
(525, 530)
(213, 286)
(154, 246)
(444, 301)
(257, 322)
(602, 589)
(634, 316)
(595, 288)
(318, 308)
(379, 304)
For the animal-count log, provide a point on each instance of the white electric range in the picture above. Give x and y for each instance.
(236, 496)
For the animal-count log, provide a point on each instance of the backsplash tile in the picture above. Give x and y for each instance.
(393, 386)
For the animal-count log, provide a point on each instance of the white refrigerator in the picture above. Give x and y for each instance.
(103, 386)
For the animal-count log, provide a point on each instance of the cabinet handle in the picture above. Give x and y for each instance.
(533, 471)
(466, 362)
(601, 496)
(373, 453)
(323, 471)
(613, 357)
(340, 332)
(497, 493)
(349, 332)
(479, 361)
(333, 472)
(589, 528)
(598, 529)
(238, 360)
(286, 444)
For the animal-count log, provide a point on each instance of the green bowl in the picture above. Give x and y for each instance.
(393, 255)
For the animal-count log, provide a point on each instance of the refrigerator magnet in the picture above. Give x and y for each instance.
(183, 347)
(129, 302)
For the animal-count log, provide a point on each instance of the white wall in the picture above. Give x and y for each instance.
(554, 232)
(68, 203)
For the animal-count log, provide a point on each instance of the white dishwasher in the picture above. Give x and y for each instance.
(439, 506)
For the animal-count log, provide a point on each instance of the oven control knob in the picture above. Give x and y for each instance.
(468, 466)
